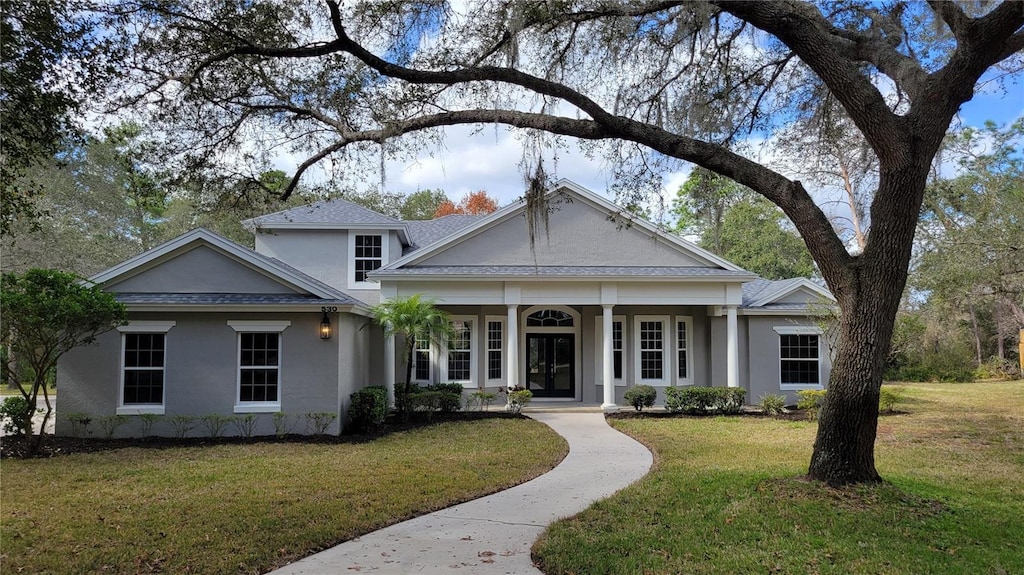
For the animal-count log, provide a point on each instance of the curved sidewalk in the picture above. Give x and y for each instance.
(494, 534)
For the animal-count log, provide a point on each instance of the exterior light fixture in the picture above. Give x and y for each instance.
(325, 327)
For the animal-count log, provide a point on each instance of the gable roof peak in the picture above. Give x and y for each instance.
(330, 211)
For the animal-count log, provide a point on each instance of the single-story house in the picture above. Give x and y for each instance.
(599, 301)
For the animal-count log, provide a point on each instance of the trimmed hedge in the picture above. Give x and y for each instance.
(445, 397)
(703, 400)
(640, 396)
(368, 409)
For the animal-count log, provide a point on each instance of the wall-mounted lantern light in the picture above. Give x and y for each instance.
(325, 327)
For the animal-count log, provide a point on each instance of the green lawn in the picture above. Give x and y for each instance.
(724, 497)
(247, 508)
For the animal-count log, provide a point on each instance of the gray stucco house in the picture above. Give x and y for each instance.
(602, 301)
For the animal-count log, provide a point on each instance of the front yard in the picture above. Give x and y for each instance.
(724, 498)
(249, 507)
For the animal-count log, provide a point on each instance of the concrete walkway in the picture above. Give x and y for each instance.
(493, 534)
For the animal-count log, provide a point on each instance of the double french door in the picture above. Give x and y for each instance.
(551, 364)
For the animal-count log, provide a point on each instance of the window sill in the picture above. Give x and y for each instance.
(799, 386)
(258, 408)
(140, 410)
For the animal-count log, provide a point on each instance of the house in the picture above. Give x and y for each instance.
(598, 302)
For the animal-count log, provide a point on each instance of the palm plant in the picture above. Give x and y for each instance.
(413, 318)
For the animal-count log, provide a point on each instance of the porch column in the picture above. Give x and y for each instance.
(512, 345)
(607, 360)
(389, 369)
(732, 368)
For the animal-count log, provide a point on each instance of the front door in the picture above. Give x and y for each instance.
(550, 367)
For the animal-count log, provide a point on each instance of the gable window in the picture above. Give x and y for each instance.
(652, 360)
(143, 358)
(421, 360)
(549, 318)
(457, 365)
(799, 357)
(259, 365)
(367, 252)
(618, 350)
(495, 349)
(684, 344)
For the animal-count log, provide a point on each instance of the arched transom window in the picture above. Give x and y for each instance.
(549, 318)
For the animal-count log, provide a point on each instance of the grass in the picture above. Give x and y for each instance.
(248, 508)
(725, 496)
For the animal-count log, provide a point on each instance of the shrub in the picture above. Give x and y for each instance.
(146, 422)
(518, 399)
(701, 400)
(368, 409)
(79, 423)
(317, 422)
(214, 424)
(888, 397)
(730, 400)
(245, 425)
(110, 424)
(451, 401)
(449, 387)
(811, 400)
(182, 424)
(772, 403)
(482, 399)
(995, 368)
(640, 396)
(282, 424)
(16, 415)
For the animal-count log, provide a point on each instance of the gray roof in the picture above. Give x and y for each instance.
(336, 211)
(425, 232)
(566, 271)
(228, 299)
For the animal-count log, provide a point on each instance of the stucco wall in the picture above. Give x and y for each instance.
(763, 355)
(201, 370)
(579, 235)
(200, 270)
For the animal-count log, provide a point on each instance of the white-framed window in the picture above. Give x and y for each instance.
(684, 350)
(143, 362)
(618, 349)
(799, 357)
(422, 364)
(367, 252)
(459, 361)
(259, 365)
(651, 338)
(495, 339)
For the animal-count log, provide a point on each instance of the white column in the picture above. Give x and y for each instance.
(512, 345)
(732, 368)
(389, 369)
(607, 364)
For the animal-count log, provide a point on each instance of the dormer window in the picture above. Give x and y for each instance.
(368, 252)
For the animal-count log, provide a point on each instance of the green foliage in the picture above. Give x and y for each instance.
(368, 408)
(772, 403)
(245, 425)
(518, 399)
(451, 401)
(148, 421)
(111, 423)
(182, 425)
(702, 400)
(79, 423)
(282, 423)
(811, 400)
(889, 397)
(997, 369)
(317, 422)
(16, 414)
(481, 399)
(422, 205)
(214, 424)
(640, 396)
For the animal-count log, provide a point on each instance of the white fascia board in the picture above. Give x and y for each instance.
(402, 229)
(800, 283)
(538, 278)
(196, 238)
(267, 308)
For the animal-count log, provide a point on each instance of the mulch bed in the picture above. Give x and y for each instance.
(52, 446)
(629, 413)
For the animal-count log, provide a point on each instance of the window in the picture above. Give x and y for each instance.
(143, 358)
(684, 352)
(651, 350)
(459, 361)
(421, 363)
(549, 318)
(618, 353)
(495, 349)
(367, 252)
(259, 365)
(799, 357)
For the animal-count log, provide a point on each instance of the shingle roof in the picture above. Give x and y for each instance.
(228, 299)
(566, 271)
(425, 232)
(325, 212)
